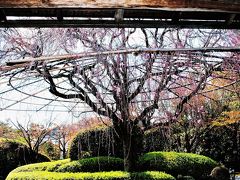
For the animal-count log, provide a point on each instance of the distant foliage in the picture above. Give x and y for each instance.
(177, 163)
(222, 144)
(14, 154)
(156, 140)
(101, 141)
(51, 150)
(6, 131)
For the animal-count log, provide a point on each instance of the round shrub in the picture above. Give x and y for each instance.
(174, 163)
(101, 141)
(220, 173)
(94, 164)
(14, 154)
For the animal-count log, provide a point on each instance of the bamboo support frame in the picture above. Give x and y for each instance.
(11, 65)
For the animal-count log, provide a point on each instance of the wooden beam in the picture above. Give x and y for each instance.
(128, 13)
(121, 24)
(219, 5)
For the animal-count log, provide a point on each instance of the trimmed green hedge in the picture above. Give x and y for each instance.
(181, 165)
(149, 175)
(94, 164)
(44, 166)
(174, 163)
(66, 169)
(117, 175)
(112, 175)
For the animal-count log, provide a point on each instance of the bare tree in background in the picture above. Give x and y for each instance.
(131, 89)
(34, 135)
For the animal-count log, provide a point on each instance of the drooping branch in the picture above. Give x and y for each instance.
(142, 80)
(165, 79)
(94, 90)
(80, 96)
(201, 84)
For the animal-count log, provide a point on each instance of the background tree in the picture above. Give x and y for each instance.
(223, 141)
(6, 131)
(62, 135)
(51, 150)
(34, 135)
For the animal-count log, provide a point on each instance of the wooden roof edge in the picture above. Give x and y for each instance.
(163, 9)
(172, 5)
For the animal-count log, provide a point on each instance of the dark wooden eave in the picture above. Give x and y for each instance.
(219, 14)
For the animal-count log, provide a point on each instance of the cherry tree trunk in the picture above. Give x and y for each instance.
(132, 140)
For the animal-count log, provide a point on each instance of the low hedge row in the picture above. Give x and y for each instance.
(149, 175)
(117, 175)
(194, 165)
(44, 166)
(178, 165)
(94, 164)
(112, 175)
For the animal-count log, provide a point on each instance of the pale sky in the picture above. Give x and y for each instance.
(18, 106)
